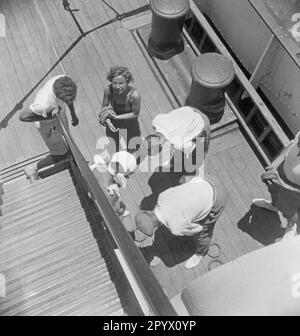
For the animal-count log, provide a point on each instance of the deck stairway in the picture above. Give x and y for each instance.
(52, 253)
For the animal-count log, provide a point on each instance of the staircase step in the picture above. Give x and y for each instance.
(52, 251)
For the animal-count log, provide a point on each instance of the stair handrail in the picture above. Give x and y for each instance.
(148, 284)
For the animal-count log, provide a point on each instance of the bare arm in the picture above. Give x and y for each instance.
(105, 100)
(75, 120)
(28, 116)
(136, 107)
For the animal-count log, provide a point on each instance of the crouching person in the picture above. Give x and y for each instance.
(190, 209)
(282, 179)
(112, 175)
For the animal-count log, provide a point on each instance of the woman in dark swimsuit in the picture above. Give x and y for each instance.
(120, 109)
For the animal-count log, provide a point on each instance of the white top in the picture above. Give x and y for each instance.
(45, 100)
(291, 166)
(178, 208)
(180, 127)
(126, 160)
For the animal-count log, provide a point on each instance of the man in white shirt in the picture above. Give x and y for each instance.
(283, 181)
(53, 98)
(190, 209)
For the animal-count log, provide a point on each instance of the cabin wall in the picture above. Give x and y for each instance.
(247, 36)
(241, 28)
(282, 87)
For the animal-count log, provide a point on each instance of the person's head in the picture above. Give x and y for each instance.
(146, 222)
(120, 77)
(65, 89)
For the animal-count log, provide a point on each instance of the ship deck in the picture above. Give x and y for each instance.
(37, 34)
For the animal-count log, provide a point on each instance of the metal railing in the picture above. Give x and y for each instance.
(259, 106)
(158, 302)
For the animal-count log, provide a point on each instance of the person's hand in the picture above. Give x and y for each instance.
(112, 114)
(111, 126)
(55, 111)
(269, 167)
(75, 121)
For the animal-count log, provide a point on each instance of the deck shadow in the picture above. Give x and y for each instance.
(170, 249)
(159, 181)
(261, 225)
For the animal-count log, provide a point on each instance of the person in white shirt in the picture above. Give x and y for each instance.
(57, 93)
(282, 178)
(189, 209)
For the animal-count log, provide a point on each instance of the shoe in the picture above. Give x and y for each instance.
(290, 232)
(262, 203)
(125, 213)
(155, 261)
(32, 176)
(193, 261)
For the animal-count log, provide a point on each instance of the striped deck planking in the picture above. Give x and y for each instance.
(38, 33)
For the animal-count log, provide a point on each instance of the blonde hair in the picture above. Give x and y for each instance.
(119, 71)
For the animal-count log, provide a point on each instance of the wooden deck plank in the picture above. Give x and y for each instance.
(44, 30)
(86, 69)
(33, 58)
(233, 210)
(239, 207)
(13, 149)
(73, 66)
(14, 67)
(32, 54)
(266, 218)
(46, 37)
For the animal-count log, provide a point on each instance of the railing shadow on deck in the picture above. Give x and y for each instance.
(118, 17)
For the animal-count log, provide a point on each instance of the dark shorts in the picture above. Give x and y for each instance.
(203, 238)
(128, 130)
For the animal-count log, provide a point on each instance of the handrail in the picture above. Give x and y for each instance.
(152, 291)
(240, 75)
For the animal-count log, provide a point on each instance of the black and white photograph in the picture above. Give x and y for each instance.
(149, 161)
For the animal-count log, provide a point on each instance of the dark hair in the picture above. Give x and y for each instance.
(119, 71)
(65, 89)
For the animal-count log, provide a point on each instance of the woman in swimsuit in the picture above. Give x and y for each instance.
(120, 110)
